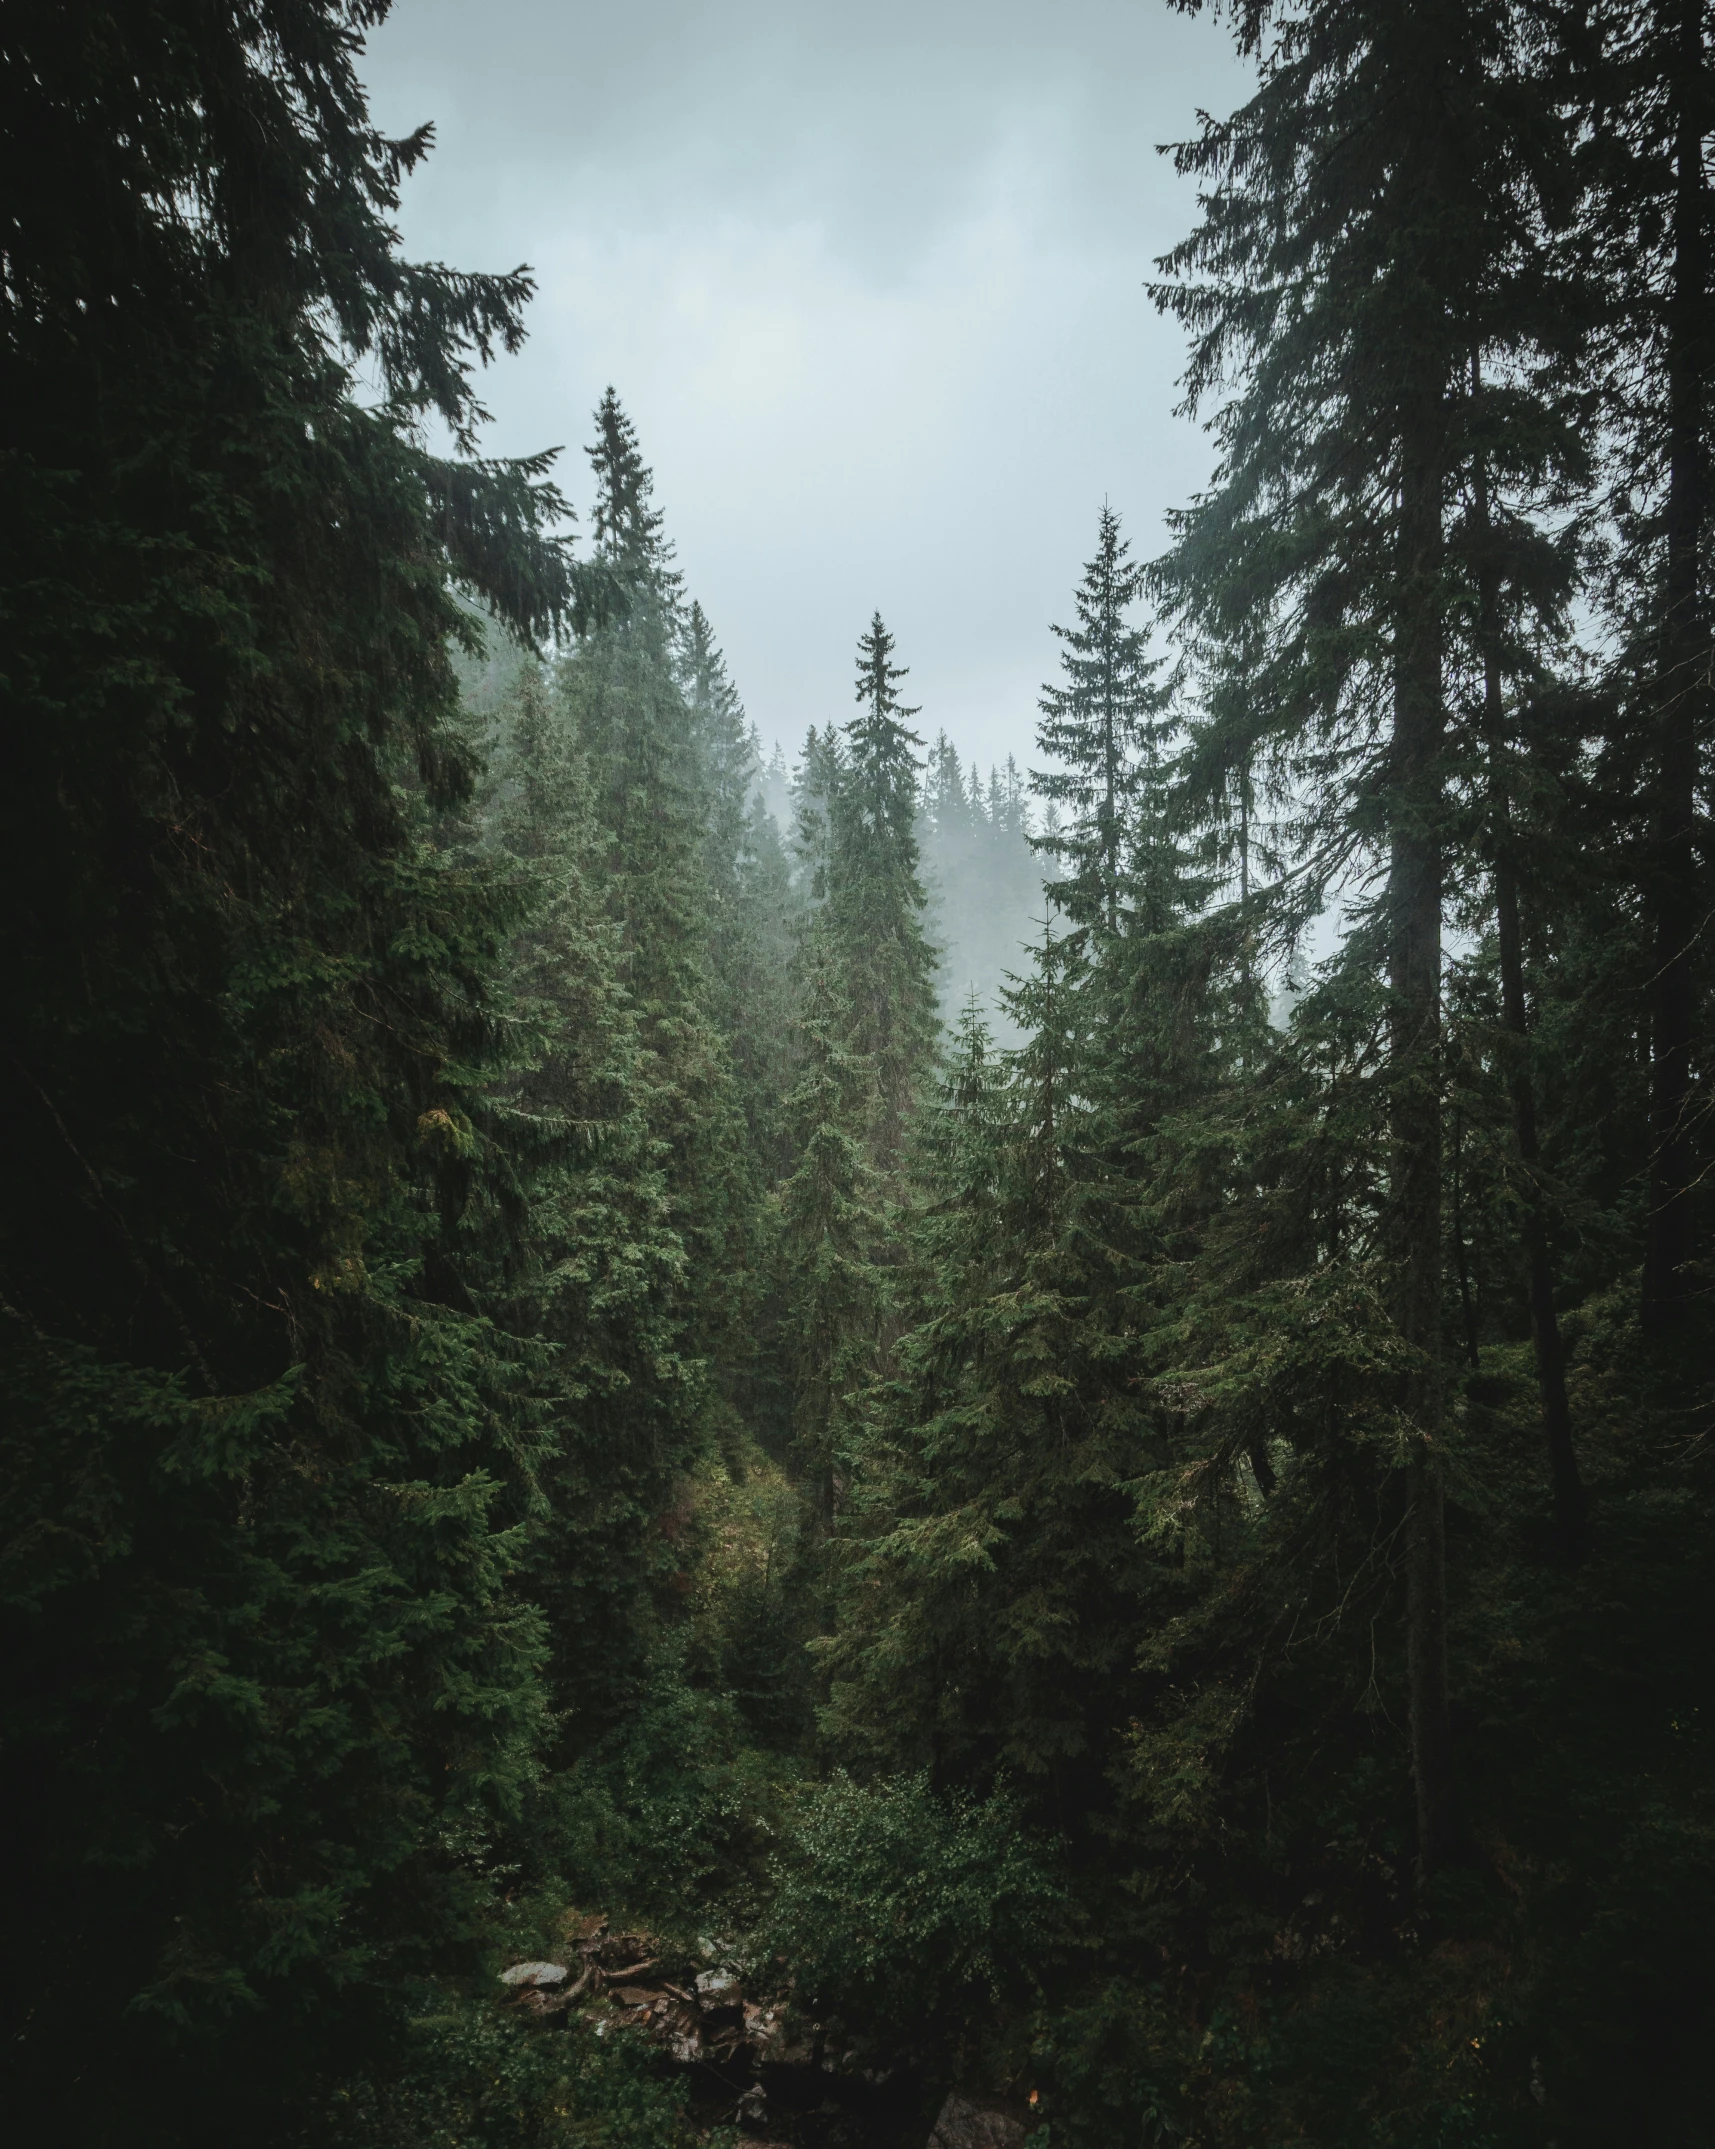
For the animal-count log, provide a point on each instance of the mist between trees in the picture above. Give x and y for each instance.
(1049, 1433)
(986, 876)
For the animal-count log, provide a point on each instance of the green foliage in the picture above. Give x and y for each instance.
(665, 1816)
(830, 1226)
(992, 1573)
(1110, 2070)
(750, 904)
(902, 1911)
(749, 1614)
(1100, 729)
(269, 1691)
(476, 2077)
(603, 1281)
(873, 894)
(526, 1355)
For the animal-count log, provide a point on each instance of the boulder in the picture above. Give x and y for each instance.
(968, 2123)
(534, 1973)
(774, 2036)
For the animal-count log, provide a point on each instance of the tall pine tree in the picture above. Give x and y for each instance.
(1099, 726)
(875, 901)
(1373, 217)
(266, 1456)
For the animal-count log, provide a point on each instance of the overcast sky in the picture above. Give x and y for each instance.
(869, 280)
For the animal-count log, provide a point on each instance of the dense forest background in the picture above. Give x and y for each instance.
(1073, 1406)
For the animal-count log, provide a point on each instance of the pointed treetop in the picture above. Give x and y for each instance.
(946, 801)
(882, 762)
(698, 638)
(708, 684)
(626, 529)
(877, 676)
(1104, 723)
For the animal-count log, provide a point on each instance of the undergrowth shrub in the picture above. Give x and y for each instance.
(904, 1913)
(478, 2076)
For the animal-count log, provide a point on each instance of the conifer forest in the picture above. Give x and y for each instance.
(706, 1445)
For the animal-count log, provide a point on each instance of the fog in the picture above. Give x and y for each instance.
(870, 282)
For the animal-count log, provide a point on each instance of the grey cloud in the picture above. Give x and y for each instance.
(869, 279)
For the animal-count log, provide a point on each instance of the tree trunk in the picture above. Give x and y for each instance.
(1680, 709)
(1110, 811)
(1248, 948)
(1426, 1660)
(1414, 902)
(1570, 1512)
(1467, 1305)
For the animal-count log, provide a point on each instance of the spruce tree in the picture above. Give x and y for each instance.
(1641, 78)
(621, 688)
(814, 782)
(995, 1582)
(622, 696)
(1129, 891)
(1683, 721)
(1373, 217)
(951, 826)
(830, 1229)
(727, 758)
(601, 1287)
(751, 914)
(875, 899)
(267, 1459)
(1100, 726)
(750, 910)
(628, 532)
(1522, 587)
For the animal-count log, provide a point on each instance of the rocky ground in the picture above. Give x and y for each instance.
(749, 2057)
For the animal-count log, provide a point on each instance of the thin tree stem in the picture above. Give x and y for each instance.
(1570, 1507)
(1682, 694)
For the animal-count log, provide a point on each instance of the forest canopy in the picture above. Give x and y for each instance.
(702, 1447)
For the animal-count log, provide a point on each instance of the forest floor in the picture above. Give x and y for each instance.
(746, 2058)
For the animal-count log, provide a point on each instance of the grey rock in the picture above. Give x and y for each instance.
(534, 1973)
(966, 2124)
(773, 2035)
